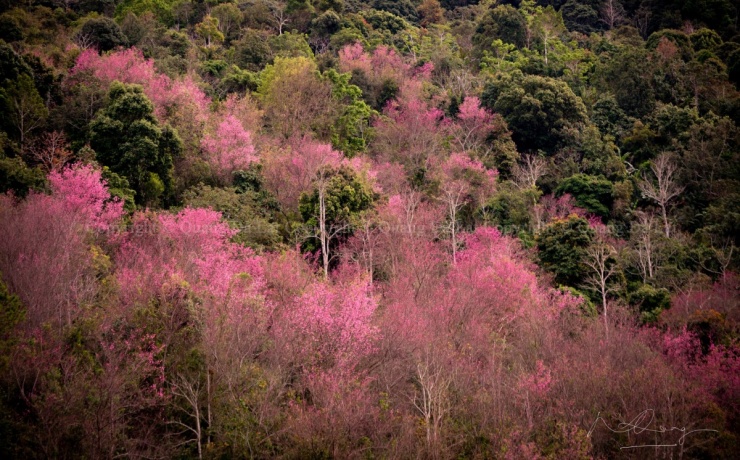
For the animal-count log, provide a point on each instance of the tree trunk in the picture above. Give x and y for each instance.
(322, 231)
(666, 226)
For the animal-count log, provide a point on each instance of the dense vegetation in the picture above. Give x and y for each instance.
(369, 229)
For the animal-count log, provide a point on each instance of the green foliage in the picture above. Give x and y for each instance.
(629, 76)
(650, 301)
(609, 118)
(162, 9)
(503, 23)
(600, 156)
(103, 33)
(593, 193)
(290, 45)
(12, 65)
(561, 249)
(118, 187)
(676, 37)
(401, 8)
(12, 313)
(581, 16)
(244, 210)
(251, 51)
(237, 80)
(384, 21)
(705, 39)
(213, 67)
(127, 138)
(510, 208)
(543, 113)
(352, 128)
(588, 308)
(209, 32)
(283, 69)
(24, 110)
(10, 28)
(328, 23)
(733, 67)
(17, 177)
(346, 196)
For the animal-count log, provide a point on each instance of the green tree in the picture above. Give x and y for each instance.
(242, 210)
(543, 113)
(127, 137)
(336, 201)
(504, 23)
(103, 33)
(580, 16)
(629, 76)
(401, 8)
(209, 32)
(593, 193)
(650, 301)
(12, 312)
(229, 18)
(352, 128)
(12, 65)
(15, 175)
(610, 118)
(705, 39)
(251, 51)
(23, 107)
(562, 247)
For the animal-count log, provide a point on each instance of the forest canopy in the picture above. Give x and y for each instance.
(369, 229)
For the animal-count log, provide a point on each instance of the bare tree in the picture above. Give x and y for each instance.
(84, 41)
(612, 13)
(51, 151)
(454, 196)
(602, 268)
(190, 392)
(367, 239)
(432, 398)
(642, 21)
(643, 234)
(279, 15)
(529, 170)
(666, 187)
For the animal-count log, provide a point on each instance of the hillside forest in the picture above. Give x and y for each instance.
(344, 229)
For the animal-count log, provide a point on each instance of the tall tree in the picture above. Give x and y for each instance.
(23, 107)
(338, 196)
(127, 137)
(664, 188)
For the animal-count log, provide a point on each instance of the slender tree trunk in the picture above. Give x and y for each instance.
(322, 231)
(454, 237)
(606, 316)
(666, 226)
(208, 403)
(198, 431)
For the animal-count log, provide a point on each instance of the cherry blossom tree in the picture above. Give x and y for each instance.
(46, 253)
(229, 148)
